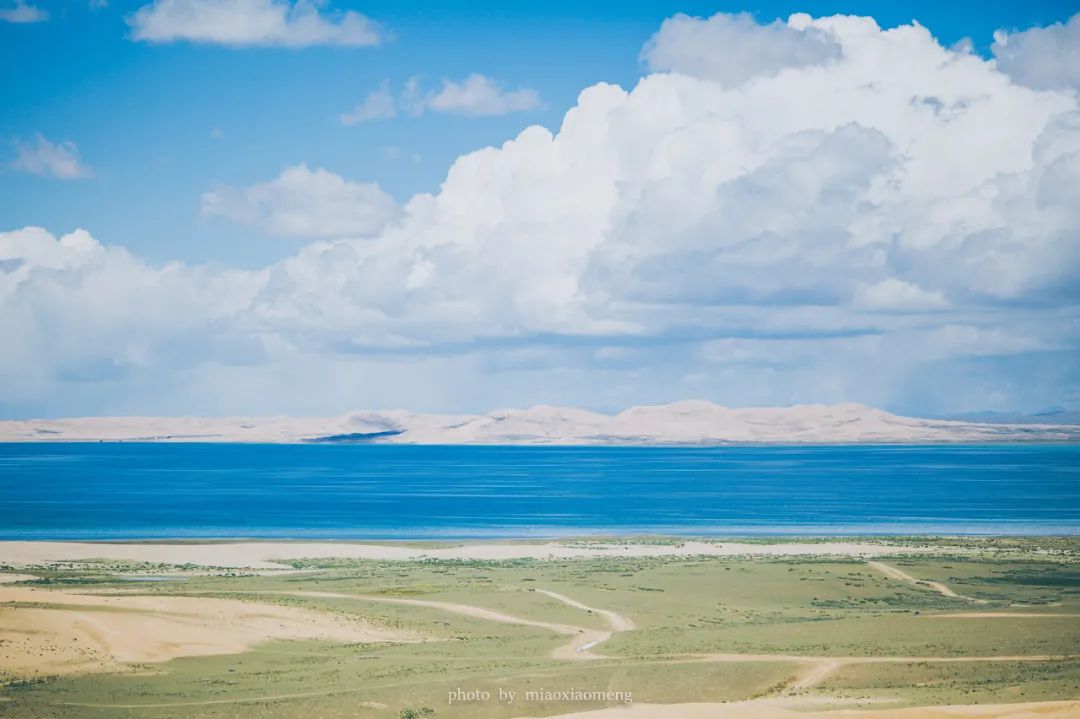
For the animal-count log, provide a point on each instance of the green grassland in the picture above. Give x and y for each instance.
(682, 609)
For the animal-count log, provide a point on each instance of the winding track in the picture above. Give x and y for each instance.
(578, 648)
(900, 575)
(617, 623)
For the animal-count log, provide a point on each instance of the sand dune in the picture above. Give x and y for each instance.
(685, 422)
(46, 632)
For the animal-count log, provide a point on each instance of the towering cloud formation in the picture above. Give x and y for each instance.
(816, 210)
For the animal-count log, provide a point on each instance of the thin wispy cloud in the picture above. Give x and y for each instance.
(480, 95)
(477, 96)
(380, 104)
(246, 23)
(392, 152)
(22, 12)
(40, 156)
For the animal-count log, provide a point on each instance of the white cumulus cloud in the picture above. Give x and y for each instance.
(306, 203)
(240, 23)
(893, 222)
(88, 313)
(40, 156)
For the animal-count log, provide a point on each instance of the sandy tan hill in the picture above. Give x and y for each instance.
(686, 422)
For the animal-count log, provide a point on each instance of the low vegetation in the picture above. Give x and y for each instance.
(833, 630)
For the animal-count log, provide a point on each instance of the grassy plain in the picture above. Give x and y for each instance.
(817, 632)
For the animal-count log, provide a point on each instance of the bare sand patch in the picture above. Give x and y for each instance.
(780, 709)
(270, 555)
(11, 577)
(45, 632)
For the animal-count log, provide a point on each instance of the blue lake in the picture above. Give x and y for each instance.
(124, 491)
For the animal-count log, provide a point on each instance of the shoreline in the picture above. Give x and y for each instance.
(636, 538)
(246, 554)
(764, 535)
(1071, 439)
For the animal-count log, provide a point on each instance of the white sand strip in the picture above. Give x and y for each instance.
(269, 555)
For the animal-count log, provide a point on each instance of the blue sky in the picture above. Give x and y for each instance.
(159, 125)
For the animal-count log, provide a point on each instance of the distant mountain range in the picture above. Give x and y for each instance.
(690, 422)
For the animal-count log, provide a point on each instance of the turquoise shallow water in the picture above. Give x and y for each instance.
(123, 491)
